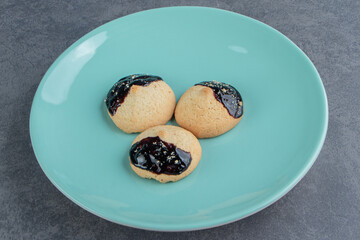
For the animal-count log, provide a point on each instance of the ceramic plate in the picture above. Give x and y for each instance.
(241, 172)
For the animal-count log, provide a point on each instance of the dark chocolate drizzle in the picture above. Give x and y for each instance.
(227, 95)
(120, 90)
(158, 156)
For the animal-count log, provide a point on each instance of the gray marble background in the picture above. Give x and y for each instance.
(324, 205)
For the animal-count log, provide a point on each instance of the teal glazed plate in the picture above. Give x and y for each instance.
(241, 172)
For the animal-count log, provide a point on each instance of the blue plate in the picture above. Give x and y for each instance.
(241, 172)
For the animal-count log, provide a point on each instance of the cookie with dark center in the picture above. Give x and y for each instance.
(165, 153)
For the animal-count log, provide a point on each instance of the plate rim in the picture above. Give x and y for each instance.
(207, 223)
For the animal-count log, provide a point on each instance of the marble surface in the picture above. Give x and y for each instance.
(324, 205)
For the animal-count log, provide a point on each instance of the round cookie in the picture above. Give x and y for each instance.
(137, 102)
(209, 109)
(165, 153)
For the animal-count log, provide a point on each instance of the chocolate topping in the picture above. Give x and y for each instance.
(158, 156)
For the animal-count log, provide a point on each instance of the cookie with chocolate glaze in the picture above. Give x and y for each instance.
(209, 109)
(138, 102)
(165, 153)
